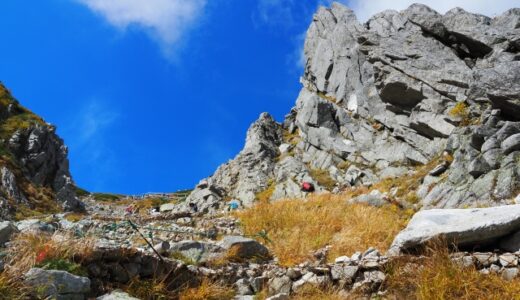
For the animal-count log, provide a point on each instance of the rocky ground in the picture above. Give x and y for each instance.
(412, 110)
(193, 247)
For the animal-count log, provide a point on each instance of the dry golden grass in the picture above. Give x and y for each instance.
(208, 290)
(292, 138)
(436, 277)
(323, 178)
(27, 250)
(151, 289)
(298, 227)
(75, 217)
(11, 288)
(316, 293)
(265, 195)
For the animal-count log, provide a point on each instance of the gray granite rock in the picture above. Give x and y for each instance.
(460, 226)
(57, 284)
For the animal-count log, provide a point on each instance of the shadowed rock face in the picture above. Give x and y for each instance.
(33, 157)
(389, 94)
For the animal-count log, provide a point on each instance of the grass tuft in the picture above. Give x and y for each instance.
(296, 228)
(265, 195)
(437, 277)
(208, 290)
(150, 289)
(323, 178)
(27, 250)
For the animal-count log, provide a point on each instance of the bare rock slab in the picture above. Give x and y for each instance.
(463, 227)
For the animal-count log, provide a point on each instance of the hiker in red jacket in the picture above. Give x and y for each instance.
(307, 187)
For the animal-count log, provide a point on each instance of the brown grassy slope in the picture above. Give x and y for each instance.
(437, 277)
(298, 227)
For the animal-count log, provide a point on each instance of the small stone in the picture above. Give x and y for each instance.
(162, 247)
(369, 262)
(494, 268)
(342, 260)
(259, 283)
(347, 273)
(294, 273)
(485, 259)
(243, 287)
(468, 261)
(374, 276)
(508, 260)
(7, 229)
(281, 296)
(509, 273)
(244, 297)
(356, 257)
(279, 285)
(116, 295)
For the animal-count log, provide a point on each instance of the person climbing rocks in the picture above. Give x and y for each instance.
(307, 187)
(129, 210)
(233, 205)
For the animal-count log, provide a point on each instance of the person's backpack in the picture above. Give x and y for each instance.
(307, 187)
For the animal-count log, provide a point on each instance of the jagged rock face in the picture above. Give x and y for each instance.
(382, 97)
(248, 173)
(33, 157)
(43, 160)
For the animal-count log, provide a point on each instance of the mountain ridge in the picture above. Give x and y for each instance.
(35, 176)
(379, 99)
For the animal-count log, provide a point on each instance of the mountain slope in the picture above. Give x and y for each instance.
(34, 168)
(381, 100)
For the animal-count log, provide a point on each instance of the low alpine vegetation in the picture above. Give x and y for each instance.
(435, 277)
(295, 228)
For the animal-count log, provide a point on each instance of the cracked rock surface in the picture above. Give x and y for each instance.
(382, 97)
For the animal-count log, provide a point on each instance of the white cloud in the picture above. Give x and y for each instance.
(88, 134)
(94, 119)
(165, 20)
(296, 59)
(365, 9)
(276, 12)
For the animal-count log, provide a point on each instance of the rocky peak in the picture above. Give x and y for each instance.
(382, 98)
(35, 168)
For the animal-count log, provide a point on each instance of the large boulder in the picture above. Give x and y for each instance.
(196, 251)
(244, 248)
(57, 284)
(7, 229)
(462, 227)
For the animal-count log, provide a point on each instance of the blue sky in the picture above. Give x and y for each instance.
(154, 95)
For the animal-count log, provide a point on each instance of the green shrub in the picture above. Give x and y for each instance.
(104, 197)
(63, 265)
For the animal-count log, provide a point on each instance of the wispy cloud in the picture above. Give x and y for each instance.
(166, 21)
(296, 59)
(276, 12)
(365, 9)
(94, 119)
(88, 135)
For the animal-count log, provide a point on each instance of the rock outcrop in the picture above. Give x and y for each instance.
(34, 168)
(383, 97)
(471, 228)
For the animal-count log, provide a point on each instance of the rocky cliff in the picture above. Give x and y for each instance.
(34, 169)
(381, 99)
